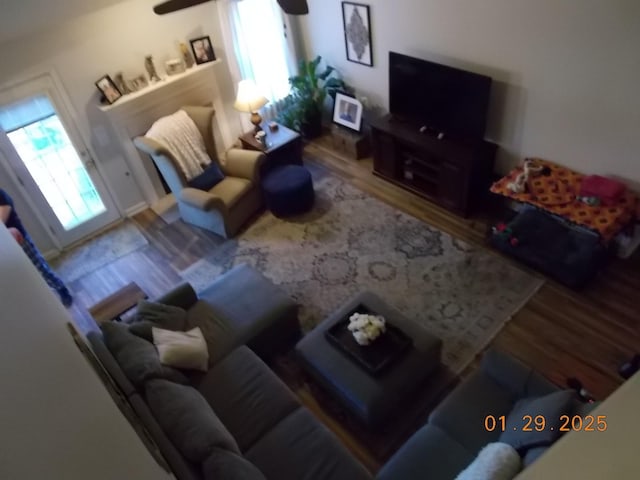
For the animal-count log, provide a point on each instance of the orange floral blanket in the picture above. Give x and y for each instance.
(557, 194)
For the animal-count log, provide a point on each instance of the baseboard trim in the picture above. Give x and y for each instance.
(140, 207)
(51, 254)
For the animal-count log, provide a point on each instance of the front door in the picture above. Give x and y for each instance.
(41, 145)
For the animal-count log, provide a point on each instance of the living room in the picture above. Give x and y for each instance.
(563, 76)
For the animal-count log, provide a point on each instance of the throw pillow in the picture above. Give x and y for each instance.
(182, 349)
(222, 464)
(150, 314)
(496, 461)
(137, 357)
(550, 407)
(209, 178)
(188, 420)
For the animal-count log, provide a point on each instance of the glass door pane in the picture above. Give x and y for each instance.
(43, 145)
(54, 164)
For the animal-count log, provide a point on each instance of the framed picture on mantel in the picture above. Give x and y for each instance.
(357, 33)
(202, 50)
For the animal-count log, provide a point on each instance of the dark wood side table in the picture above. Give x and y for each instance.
(283, 146)
(118, 303)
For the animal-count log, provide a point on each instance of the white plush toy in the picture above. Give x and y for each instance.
(519, 185)
(366, 328)
(496, 461)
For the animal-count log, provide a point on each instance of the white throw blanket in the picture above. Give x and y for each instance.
(181, 136)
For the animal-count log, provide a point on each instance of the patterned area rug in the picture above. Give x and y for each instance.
(99, 251)
(351, 242)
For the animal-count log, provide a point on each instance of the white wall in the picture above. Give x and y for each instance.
(57, 420)
(611, 451)
(566, 72)
(113, 39)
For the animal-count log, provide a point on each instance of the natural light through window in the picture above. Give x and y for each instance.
(262, 53)
(46, 150)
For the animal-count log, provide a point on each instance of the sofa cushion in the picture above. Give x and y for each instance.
(300, 447)
(256, 311)
(181, 467)
(137, 357)
(231, 190)
(550, 408)
(183, 296)
(226, 465)
(188, 420)
(429, 453)
(467, 406)
(110, 364)
(217, 331)
(152, 314)
(186, 350)
(247, 396)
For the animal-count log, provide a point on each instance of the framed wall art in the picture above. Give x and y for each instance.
(357, 33)
(347, 112)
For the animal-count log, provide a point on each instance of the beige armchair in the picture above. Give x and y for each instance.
(230, 203)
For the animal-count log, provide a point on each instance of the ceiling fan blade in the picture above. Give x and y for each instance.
(175, 5)
(294, 7)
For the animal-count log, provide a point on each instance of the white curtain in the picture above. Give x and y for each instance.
(259, 47)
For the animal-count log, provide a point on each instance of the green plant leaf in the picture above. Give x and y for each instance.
(309, 90)
(328, 71)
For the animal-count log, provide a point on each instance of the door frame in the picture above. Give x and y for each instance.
(75, 130)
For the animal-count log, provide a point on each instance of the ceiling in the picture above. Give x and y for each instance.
(22, 17)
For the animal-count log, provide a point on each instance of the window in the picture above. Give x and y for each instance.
(256, 32)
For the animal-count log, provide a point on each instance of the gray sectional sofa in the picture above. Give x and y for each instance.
(456, 432)
(237, 420)
(240, 421)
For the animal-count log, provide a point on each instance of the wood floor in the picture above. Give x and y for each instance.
(559, 332)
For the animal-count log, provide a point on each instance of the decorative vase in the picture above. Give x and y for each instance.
(186, 55)
(151, 69)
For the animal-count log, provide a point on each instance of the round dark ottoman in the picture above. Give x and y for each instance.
(288, 190)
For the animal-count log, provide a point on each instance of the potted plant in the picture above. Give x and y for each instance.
(303, 107)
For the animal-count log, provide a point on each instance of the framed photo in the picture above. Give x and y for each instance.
(202, 50)
(137, 83)
(347, 112)
(108, 89)
(357, 33)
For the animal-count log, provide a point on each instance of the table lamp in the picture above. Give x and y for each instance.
(250, 100)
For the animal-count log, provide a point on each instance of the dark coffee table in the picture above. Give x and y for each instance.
(372, 397)
(378, 355)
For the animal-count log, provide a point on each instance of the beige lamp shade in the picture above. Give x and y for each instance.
(249, 98)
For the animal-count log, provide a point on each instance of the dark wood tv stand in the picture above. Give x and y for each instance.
(453, 173)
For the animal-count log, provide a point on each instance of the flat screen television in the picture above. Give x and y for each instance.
(440, 98)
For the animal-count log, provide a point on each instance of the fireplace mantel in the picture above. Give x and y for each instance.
(134, 113)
